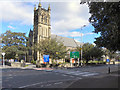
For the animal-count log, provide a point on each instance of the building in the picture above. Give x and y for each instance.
(42, 30)
(68, 42)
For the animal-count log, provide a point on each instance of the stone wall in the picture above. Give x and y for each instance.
(17, 64)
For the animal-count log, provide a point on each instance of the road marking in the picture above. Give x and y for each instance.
(42, 85)
(48, 85)
(80, 73)
(71, 76)
(44, 82)
(58, 83)
(30, 85)
(90, 74)
(10, 75)
(77, 73)
(64, 75)
(70, 72)
(79, 78)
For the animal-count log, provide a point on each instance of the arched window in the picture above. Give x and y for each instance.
(45, 19)
(42, 19)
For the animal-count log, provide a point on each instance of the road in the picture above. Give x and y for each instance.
(82, 77)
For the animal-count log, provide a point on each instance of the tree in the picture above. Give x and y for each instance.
(52, 47)
(14, 44)
(105, 17)
(96, 52)
(109, 53)
(90, 52)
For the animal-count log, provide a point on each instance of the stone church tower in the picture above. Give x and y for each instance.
(41, 28)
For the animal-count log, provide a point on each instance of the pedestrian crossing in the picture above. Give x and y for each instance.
(77, 73)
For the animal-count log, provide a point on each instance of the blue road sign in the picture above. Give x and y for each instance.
(107, 60)
(46, 58)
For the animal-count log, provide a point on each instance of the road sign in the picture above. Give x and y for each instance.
(74, 54)
(46, 58)
(107, 60)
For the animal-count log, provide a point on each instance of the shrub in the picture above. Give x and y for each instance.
(34, 62)
(59, 63)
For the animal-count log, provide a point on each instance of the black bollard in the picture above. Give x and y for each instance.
(108, 70)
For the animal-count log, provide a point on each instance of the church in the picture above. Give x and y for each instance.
(42, 30)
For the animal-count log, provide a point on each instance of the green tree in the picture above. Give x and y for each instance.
(111, 54)
(87, 47)
(52, 47)
(90, 52)
(96, 52)
(105, 17)
(14, 44)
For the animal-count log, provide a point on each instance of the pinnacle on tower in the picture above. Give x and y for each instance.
(39, 4)
(35, 7)
(49, 7)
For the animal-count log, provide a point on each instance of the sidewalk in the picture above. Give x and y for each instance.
(29, 66)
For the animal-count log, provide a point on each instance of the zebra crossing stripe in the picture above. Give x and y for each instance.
(78, 73)
(70, 72)
(90, 74)
(81, 73)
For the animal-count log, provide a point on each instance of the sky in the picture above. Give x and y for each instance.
(67, 18)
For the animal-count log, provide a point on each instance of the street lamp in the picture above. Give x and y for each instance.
(3, 58)
(81, 43)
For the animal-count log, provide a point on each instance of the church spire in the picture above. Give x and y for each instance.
(39, 5)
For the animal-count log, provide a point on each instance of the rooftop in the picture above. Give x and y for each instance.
(69, 42)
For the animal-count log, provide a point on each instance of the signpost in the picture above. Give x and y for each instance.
(74, 55)
(107, 60)
(46, 58)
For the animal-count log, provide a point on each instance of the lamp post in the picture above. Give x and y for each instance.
(3, 59)
(81, 43)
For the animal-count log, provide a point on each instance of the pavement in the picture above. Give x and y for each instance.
(29, 66)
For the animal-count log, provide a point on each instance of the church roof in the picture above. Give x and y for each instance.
(68, 42)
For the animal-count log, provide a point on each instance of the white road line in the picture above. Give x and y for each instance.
(70, 72)
(64, 75)
(71, 76)
(10, 75)
(79, 78)
(48, 85)
(44, 82)
(30, 85)
(42, 85)
(79, 73)
(58, 83)
(90, 74)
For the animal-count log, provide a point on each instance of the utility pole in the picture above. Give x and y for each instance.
(81, 43)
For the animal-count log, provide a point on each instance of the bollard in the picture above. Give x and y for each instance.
(108, 70)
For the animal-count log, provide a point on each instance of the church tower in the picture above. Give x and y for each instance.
(41, 27)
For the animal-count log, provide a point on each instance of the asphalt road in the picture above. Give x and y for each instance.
(85, 77)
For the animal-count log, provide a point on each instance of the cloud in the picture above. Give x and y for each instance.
(65, 16)
(11, 27)
(72, 34)
(89, 33)
(69, 16)
(17, 12)
(94, 44)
